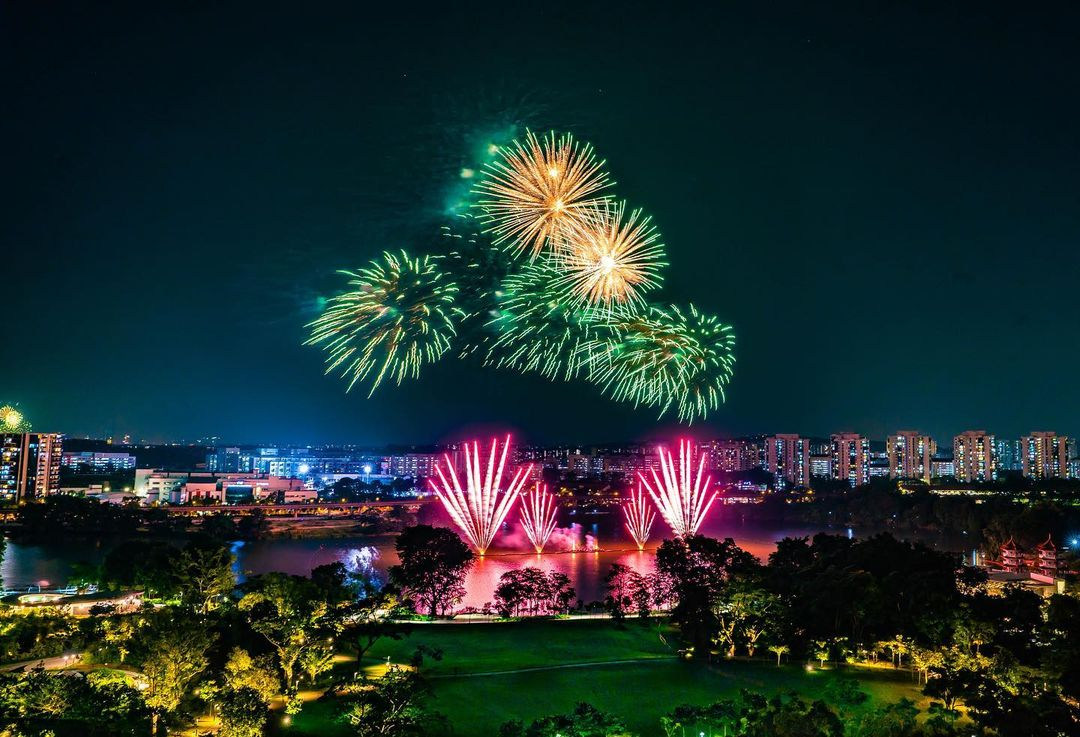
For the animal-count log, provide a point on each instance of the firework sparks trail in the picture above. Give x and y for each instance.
(609, 258)
(398, 317)
(681, 496)
(639, 517)
(538, 516)
(531, 191)
(480, 507)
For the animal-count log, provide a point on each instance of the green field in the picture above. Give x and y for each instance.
(476, 694)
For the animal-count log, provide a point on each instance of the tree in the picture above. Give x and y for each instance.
(434, 562)
(290, 613)
(203, 573)
(175, 655)
(584, 721)
(622, 583)
(891, 720)
(779, 650)
(393, 706)
(372, 619)
(242, 671)
(243, 712)
(699, 569)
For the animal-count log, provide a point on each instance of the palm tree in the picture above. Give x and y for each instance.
(779, 650)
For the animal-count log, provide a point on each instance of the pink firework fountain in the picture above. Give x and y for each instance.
(682, 497)
(538, 516)
(480, 507)
(639, 517)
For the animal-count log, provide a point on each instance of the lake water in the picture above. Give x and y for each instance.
(51, 565)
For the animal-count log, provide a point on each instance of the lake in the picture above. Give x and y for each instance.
(51, 565)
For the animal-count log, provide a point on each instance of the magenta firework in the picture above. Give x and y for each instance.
(639, 517)
(682, 496)
(479, 508)
(538, 516)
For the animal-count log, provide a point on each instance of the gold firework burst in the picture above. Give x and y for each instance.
(610, 258)
(533, 190)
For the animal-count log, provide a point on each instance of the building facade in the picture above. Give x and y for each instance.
(30, 465)
(974, 457)
(851, 458)
(910, 455)
(1044, 455)
(787, 458)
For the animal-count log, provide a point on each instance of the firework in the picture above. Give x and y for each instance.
(12, 420)
(480, 507)
(398, 316)
(538, 516)
(534, 329)
(609, 258)
(639, 517)
(711, 364)
(533, 190)
(682, 497)
(663, 357)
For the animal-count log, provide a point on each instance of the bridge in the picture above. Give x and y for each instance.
(297, 509)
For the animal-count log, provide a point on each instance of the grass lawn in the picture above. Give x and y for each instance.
(640, 692)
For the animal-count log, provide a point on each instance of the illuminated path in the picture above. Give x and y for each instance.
(591, 664)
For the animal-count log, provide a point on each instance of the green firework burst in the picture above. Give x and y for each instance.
(664, 358)
(397, 317)
(535, 329)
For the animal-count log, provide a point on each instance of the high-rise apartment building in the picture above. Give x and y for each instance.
(1044, 455)
(29, 465)
(787, 458)
(974, 456)
(910, 455)
(1007, 455)
(851, 458)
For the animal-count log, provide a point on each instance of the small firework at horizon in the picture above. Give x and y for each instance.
(481, 506)
(538, 510)
(639, 517)
(682, 496)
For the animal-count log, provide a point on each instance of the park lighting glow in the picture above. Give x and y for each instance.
(482, 504)
(538, 516)
(533, 190)
(682, 496)
(639, 517)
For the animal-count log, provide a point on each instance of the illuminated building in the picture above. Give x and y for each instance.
(942, 467)
(1008, 455)
(821, 466)
(787, 458)
(30, 465)
(730, 456)
(974, 459)
(87, 462)
(851, 458)
(911, 455)
(1044, 455)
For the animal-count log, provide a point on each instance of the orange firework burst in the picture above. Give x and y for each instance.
(481, 506)
(682, 497)
(532, 191)
(639, 517)
(538, 516)
(610, 258)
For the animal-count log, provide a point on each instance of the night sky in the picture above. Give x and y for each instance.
(884, 201)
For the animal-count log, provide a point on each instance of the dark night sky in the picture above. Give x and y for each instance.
(884, 200)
